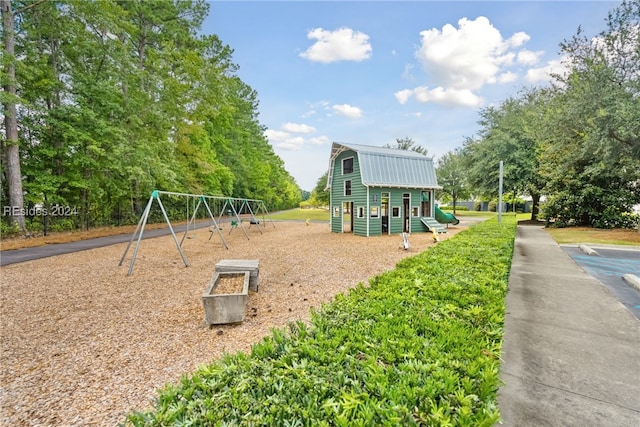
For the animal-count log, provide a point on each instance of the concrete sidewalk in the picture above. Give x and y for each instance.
(571, 351)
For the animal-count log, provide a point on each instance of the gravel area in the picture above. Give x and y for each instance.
(83, 344)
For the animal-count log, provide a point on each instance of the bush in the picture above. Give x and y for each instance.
(419, 346)
(450, 208)
(566, 209)
(7, 230)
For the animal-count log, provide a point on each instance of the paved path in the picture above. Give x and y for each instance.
(571, 350)
(28, 254)
(608, 265)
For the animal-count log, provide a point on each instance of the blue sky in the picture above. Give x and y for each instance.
(370, 72)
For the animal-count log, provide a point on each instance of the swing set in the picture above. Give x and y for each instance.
(226, 207)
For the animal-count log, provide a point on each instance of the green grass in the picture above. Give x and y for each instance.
(301, 215)
(419, 346)
(568, 235)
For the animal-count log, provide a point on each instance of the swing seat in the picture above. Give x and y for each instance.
(254, 221)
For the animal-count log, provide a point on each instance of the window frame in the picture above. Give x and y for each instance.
(344, 170)
(347, 186)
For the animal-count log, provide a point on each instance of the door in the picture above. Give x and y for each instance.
(426, 204)
(347, 217)
(384, 212)
(406, 212)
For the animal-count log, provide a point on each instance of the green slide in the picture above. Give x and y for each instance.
(445, 217)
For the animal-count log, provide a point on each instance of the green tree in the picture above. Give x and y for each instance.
(591, 159)
(320, 195)
(509, 134)
(451, 172)
(121, 97)
(407, 144)
(10, 144)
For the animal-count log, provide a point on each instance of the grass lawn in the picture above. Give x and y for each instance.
(301, 214)
(628, 237)
(568, 235)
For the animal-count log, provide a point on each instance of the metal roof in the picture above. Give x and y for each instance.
(389, 167)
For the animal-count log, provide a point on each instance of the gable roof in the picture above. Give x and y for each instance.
(389, 167)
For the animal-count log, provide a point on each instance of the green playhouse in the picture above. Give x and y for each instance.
(376, 191)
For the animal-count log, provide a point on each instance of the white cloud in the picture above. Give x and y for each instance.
(518, 39)
(440, 95)
(320, 140)
(276, 135)
(298, 128)
(348, 111)
(448, 97)
(407, 73)
(543, 74)
(291, 144)
(460, 60)
(529, 57)
(343, 44)
(507, 77)
(467, 57)
(285, 141)
(403, 95)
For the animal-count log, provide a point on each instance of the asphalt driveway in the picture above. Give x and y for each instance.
(608, 266)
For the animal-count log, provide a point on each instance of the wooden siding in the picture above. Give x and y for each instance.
(358, 193)
(364, 198)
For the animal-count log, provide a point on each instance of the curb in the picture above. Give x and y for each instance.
(632, 280)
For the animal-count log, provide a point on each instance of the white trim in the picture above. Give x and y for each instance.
(368, 212)
(344, 187)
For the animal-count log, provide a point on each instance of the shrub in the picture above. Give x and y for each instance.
(419, 346)
(450, 208)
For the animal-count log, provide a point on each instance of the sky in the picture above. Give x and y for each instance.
(372, 72)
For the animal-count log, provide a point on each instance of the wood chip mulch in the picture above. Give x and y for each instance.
(83, 344)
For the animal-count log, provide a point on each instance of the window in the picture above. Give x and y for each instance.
(347, 187)
(336, 212)
(360, 212)
(374, 211)
(395, 211)
(347, 165)
(415, 211)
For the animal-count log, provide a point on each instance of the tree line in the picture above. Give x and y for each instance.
(576, 142)
(105, 101)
